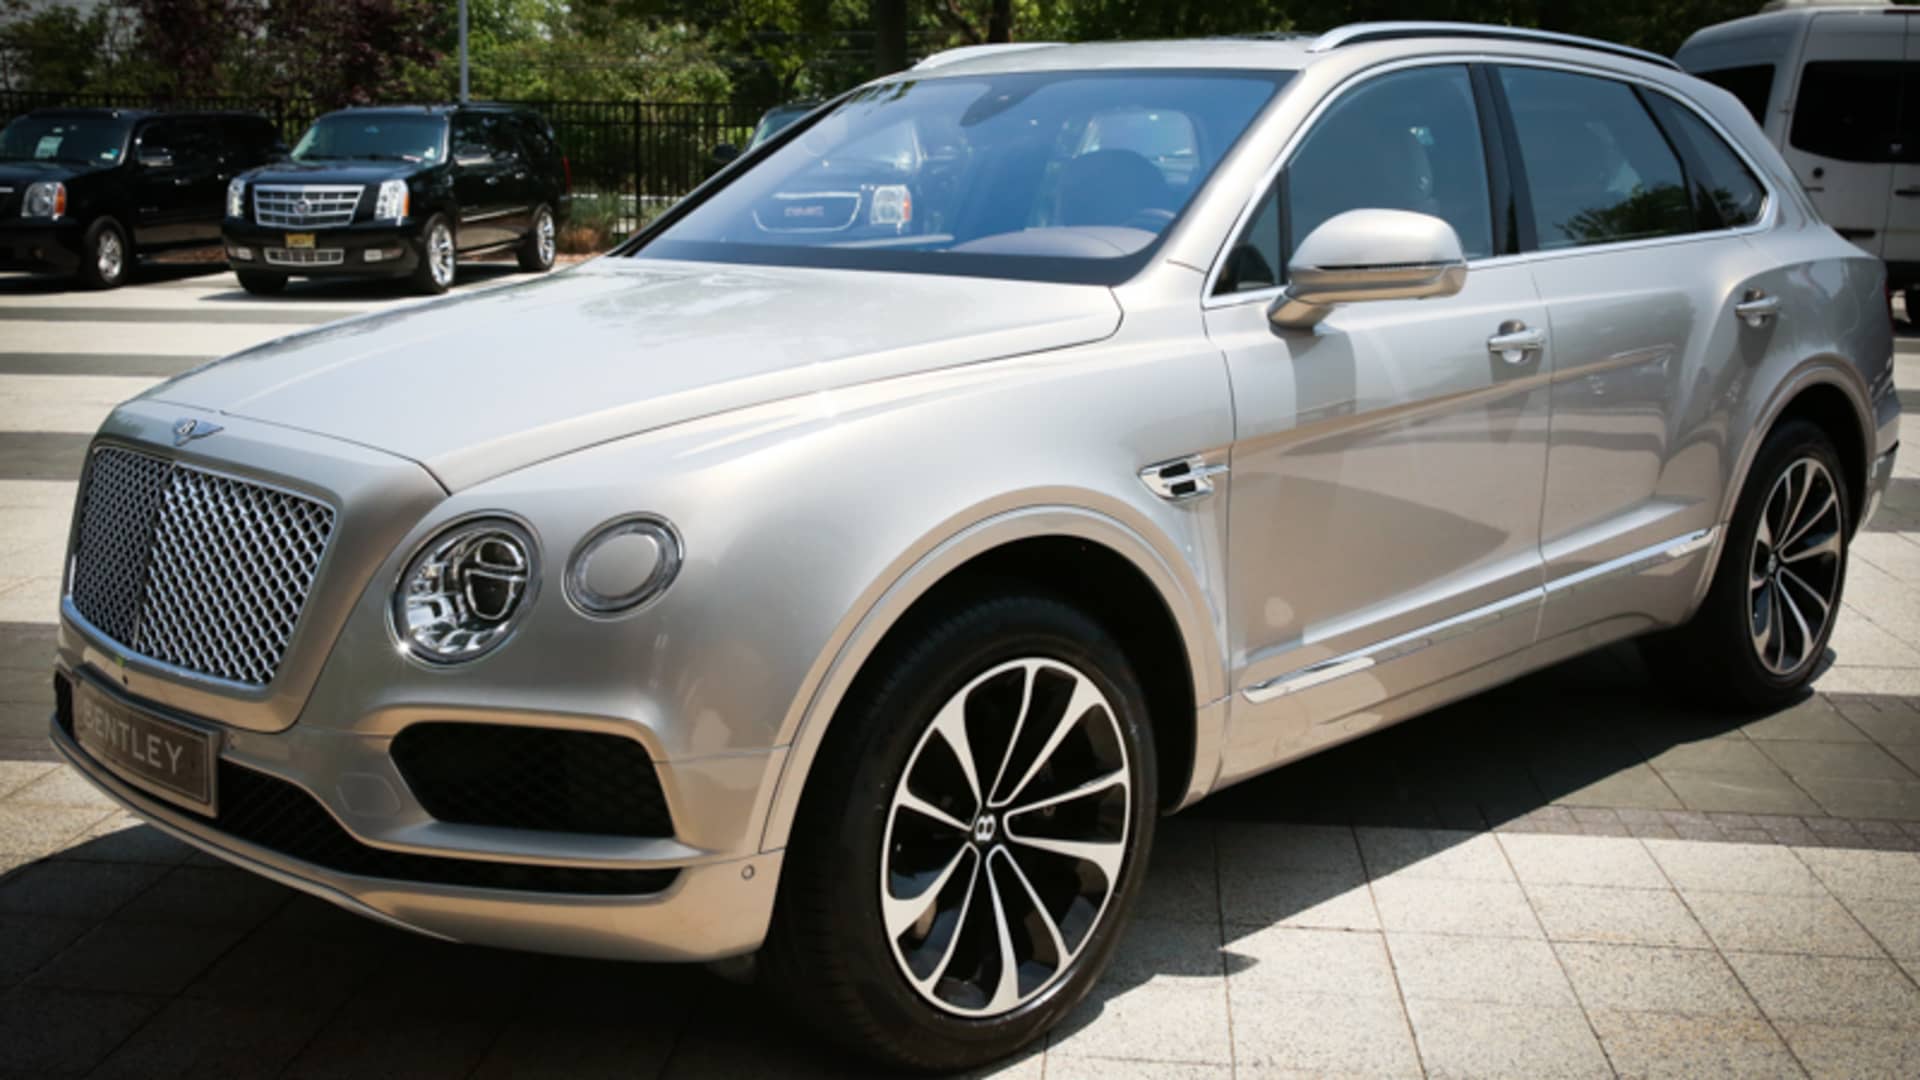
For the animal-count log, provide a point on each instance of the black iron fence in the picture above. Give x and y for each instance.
(643, 153)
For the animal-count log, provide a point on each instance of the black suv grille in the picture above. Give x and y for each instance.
(533, 778)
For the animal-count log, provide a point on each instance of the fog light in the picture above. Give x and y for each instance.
(624, 564)
(240, 254)
(373, 255)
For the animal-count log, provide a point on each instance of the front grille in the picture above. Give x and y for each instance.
(271, 813)
(192, 568)
(305, 256)
(306, 206)
(533, 778)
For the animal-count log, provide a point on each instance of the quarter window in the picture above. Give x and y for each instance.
(1752, 84)
(1598, 170)
(1849, 110)
(1728, 194)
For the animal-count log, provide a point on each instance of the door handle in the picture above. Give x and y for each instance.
(1516, 342)
(1757, 309)
(1909, 193)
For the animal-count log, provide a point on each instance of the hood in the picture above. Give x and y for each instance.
(334, 172)
(18, 174)
(484, 383)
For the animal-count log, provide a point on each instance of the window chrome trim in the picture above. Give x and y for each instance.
(1766, 220)
(1413, 641)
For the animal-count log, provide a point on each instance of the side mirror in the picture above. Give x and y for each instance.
(472, 154)
(725, 153)
(1369, 255)
(156, 159)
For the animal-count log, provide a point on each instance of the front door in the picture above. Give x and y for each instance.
(162, 185)
(1387, 464)
(483, 182)
(1846, 119)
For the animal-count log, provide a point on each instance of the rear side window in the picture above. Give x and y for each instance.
(1849, 110)
(1752, 84)
(1598, 170)
(1725, 190)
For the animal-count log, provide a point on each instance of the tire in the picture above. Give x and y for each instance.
(1746, 647)
(828, 954)
(105, 255)
(439, 257)
(541, 245)
(260, 282)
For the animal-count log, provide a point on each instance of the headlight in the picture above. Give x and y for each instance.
(47, 199)
(237, 198)
(624, 564)
(392, 203)
(465, 591)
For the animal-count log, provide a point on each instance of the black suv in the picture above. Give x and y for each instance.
(401, 191)
(86, 191)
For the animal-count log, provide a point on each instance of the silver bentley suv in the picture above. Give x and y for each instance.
(849, 570)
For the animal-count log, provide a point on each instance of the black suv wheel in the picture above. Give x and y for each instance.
(542, 243)
(105, 255)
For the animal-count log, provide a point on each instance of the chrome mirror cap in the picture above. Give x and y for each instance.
(1369, 255)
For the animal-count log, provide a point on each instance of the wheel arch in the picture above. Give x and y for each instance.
(1118, 572)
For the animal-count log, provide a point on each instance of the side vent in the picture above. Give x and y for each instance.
(1182, 480)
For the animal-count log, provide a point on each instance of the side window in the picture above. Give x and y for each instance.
(1254, 262)
(1728, 194)
(1597, 168)
(1752, 84)
(1848, 110)
(470, 135)
(1405, 141)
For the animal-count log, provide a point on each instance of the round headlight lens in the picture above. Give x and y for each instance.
(624, 564)
(464, 591)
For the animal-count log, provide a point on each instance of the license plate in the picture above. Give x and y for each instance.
(300, 240)
(162, 756)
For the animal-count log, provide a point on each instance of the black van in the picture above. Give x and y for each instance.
(87, 191)
(401, 191)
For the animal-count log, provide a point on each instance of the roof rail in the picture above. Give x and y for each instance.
(968, 52)
(1358, 33)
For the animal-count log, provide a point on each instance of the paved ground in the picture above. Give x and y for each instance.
(1569, 876)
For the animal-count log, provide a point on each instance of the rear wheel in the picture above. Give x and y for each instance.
(438, 257)
(538, 250)
(1763, 628)
(971, 840)
(260, 282)
(105, 256)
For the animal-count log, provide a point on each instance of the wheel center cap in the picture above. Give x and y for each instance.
(984, 827)
(1773, 565)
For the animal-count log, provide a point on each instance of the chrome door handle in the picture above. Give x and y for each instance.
(1516, 342)
(1909, 193)
(1756, 309)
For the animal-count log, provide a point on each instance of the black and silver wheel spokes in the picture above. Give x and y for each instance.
(1793, 577)
(1005, 837)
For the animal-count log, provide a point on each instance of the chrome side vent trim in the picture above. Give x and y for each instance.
(1183, 480)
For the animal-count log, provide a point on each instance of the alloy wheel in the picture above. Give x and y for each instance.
(1005, 838)
(1793, 577)
(109, 255)
(545, 237)
(440, 253)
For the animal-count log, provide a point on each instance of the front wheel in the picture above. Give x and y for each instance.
(1763, 628)
(438, 257)
(972, 837)
(538, 250)
(104, 255)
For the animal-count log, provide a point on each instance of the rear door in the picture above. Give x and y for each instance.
(1846, 121)
(162, 181)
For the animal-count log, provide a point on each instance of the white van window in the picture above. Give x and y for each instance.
(1849, 110)
(1752, 84)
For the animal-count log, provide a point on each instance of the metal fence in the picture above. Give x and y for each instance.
(649, 152)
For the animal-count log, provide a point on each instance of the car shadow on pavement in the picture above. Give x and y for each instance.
(470, 275)
(146, 274)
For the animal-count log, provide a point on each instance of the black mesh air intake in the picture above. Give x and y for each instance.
(532, 778)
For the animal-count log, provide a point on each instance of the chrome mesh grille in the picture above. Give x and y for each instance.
(307, 206)
(194, 569)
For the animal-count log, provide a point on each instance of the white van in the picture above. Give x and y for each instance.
(1837, 88)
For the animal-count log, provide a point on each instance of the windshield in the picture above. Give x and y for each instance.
(380, 138)
(77, 140)
(1052, 175)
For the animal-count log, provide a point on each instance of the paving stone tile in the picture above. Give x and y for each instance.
(1321, 1035)
(118, 958)
(52, 1032)
(15, 775)
(29, 941)
(1752, 793)
(1480, 908)
(1078, 1068)
(1321, 849)
(1691, 825)
(1497, 970)
(1285, 960)
(1295, 898)
(1182, 882)
(1433, 853)
(1885, 720)
(204, 896)
(1616, 916)
(1787, 829)
(1733, 867)
(1870, 875)
(231, 1041)
(1831, 1050)
(37, 831)
(62, 787)
(1636, 786)
(563, 1048)
(125, 838)
(1580, 860)
(1829, 990)
(1157, 1022)
(1750, 922)
(1846, 761)
(74, 890)
(1470, 1039)
(1895, 923)
(426, 1044)
(1690, 982)
(1662, 1045)
(1714, 756)
(1170, 951)
(1864, 797)
(1812, 720)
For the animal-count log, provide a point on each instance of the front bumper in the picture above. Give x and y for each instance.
(399, 249)
(40, 247)
(703, 907)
